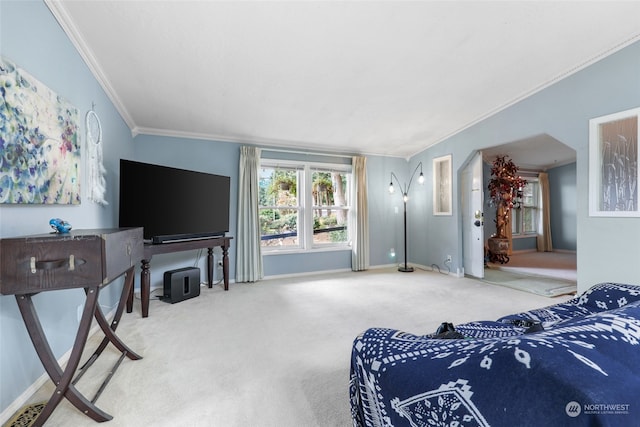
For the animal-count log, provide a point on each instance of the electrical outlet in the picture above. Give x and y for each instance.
(448, 258)
(217, 260)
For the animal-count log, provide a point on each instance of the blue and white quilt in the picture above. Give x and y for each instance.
(582, 369)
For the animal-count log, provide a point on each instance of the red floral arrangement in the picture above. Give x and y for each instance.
(504, 189)
(505, 184)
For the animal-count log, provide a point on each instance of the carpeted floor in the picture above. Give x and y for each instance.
(543, 273)
(273, 353)
(559, 265)
(545, 286)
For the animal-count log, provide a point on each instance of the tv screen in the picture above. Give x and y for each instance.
(173, 204)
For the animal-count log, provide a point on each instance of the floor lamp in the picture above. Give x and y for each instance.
(405, 197)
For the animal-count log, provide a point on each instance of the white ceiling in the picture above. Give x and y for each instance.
(384, 77)
(536, 153)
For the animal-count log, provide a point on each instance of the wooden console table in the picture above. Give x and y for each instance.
(89, 259)
(162, 248)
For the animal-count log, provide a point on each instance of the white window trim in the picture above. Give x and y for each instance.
(521, 234)
(305, 210)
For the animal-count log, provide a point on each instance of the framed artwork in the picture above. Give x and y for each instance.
(39, 142)
(613, 165)
(442, 185)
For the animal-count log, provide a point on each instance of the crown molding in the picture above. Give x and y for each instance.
(60, 14)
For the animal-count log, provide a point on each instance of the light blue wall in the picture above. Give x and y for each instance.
(222, 158)
(563, 201)
(385, 210)
(607, 248)
(31, 38)
(563, 198)
(432, 237)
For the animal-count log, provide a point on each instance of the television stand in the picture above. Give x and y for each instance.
(151, 249)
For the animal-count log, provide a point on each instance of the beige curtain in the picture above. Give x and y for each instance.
(249, 254)
(544, 220)
(360, 215)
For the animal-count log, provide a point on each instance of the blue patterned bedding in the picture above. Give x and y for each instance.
(582, 369)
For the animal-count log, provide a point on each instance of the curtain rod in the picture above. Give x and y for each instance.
(282, 150)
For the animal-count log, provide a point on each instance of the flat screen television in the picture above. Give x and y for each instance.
(173, 204)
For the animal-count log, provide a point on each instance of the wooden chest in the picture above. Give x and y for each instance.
(77, 259)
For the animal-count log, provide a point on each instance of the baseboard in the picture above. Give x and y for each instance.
(440, 270)
(381, 266)
(22, 400)
(526, 251)
(307, 273)
(345, 270)
(341, 270)
(161, 287)
(424, 268)
(26, 395)
(565, 251)
(523, 251)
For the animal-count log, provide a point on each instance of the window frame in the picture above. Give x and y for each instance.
(535, 207)
(306, 208)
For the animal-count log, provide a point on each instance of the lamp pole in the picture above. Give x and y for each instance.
(405, 197)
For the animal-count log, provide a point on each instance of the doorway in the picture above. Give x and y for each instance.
(539, 153)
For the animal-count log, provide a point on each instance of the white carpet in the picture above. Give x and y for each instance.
(545, 286)
(274, 353)
(543, 273)
(559, 265)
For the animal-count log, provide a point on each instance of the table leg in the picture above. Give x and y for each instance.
(62, 379)
(109, 330)
(130, 299)
(225, 266)
(145, 287)
(210, 267)
(129, 279)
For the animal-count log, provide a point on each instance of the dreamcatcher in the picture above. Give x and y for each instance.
(96, 180)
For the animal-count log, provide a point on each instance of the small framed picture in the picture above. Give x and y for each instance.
(613, 165)
(442, 185)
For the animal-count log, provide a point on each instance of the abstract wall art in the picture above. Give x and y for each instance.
(613, 164)
(39, 142)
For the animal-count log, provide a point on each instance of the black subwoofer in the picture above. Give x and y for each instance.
(181, 284)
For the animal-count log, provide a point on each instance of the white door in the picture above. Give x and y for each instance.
(473, 217)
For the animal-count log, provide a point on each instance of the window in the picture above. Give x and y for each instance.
(525, 217)
(304, 206)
